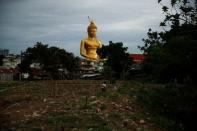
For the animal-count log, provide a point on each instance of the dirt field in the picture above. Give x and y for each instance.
(71, 105)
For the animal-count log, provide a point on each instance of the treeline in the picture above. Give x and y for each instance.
(50, 59)
(118, 61)
(170, 58)
(171, 54)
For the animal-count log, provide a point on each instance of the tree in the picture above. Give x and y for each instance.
(117, 58)
(50, 58)
(171, 55)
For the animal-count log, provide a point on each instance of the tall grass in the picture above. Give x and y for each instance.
(173, 106)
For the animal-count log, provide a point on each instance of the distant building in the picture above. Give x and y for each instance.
(4, 52)
(90, 69)
(37, 73)
(11, 61)
(137, 59)
(9, 74)
(86, 66)
(35, 65)
(90, 66)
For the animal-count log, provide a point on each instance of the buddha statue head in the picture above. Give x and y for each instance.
(92, 28)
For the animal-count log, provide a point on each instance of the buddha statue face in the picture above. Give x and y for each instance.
(92, 33)
(92, 30)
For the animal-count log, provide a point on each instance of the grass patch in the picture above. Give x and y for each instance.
(96, 122)
(113, 95)
(172, 105)
(115, 116)
(103, 107)
(64, 120)
(7, 86)
(137, 116)
(123, 90)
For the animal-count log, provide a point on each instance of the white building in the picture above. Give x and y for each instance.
(35, 65)
(11, 61)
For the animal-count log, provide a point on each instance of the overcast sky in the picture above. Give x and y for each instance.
(63, 23)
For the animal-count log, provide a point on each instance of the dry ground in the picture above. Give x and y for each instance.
(71, 105)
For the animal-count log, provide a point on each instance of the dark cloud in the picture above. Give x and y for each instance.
(63, 23)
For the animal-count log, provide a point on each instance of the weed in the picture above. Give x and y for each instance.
(124, 90)
(64, 120)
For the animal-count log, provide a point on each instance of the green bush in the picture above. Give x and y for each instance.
(174, 102)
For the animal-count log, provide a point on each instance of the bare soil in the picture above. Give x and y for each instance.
(71, 105)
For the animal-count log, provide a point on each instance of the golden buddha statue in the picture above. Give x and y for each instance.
(90, 45)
